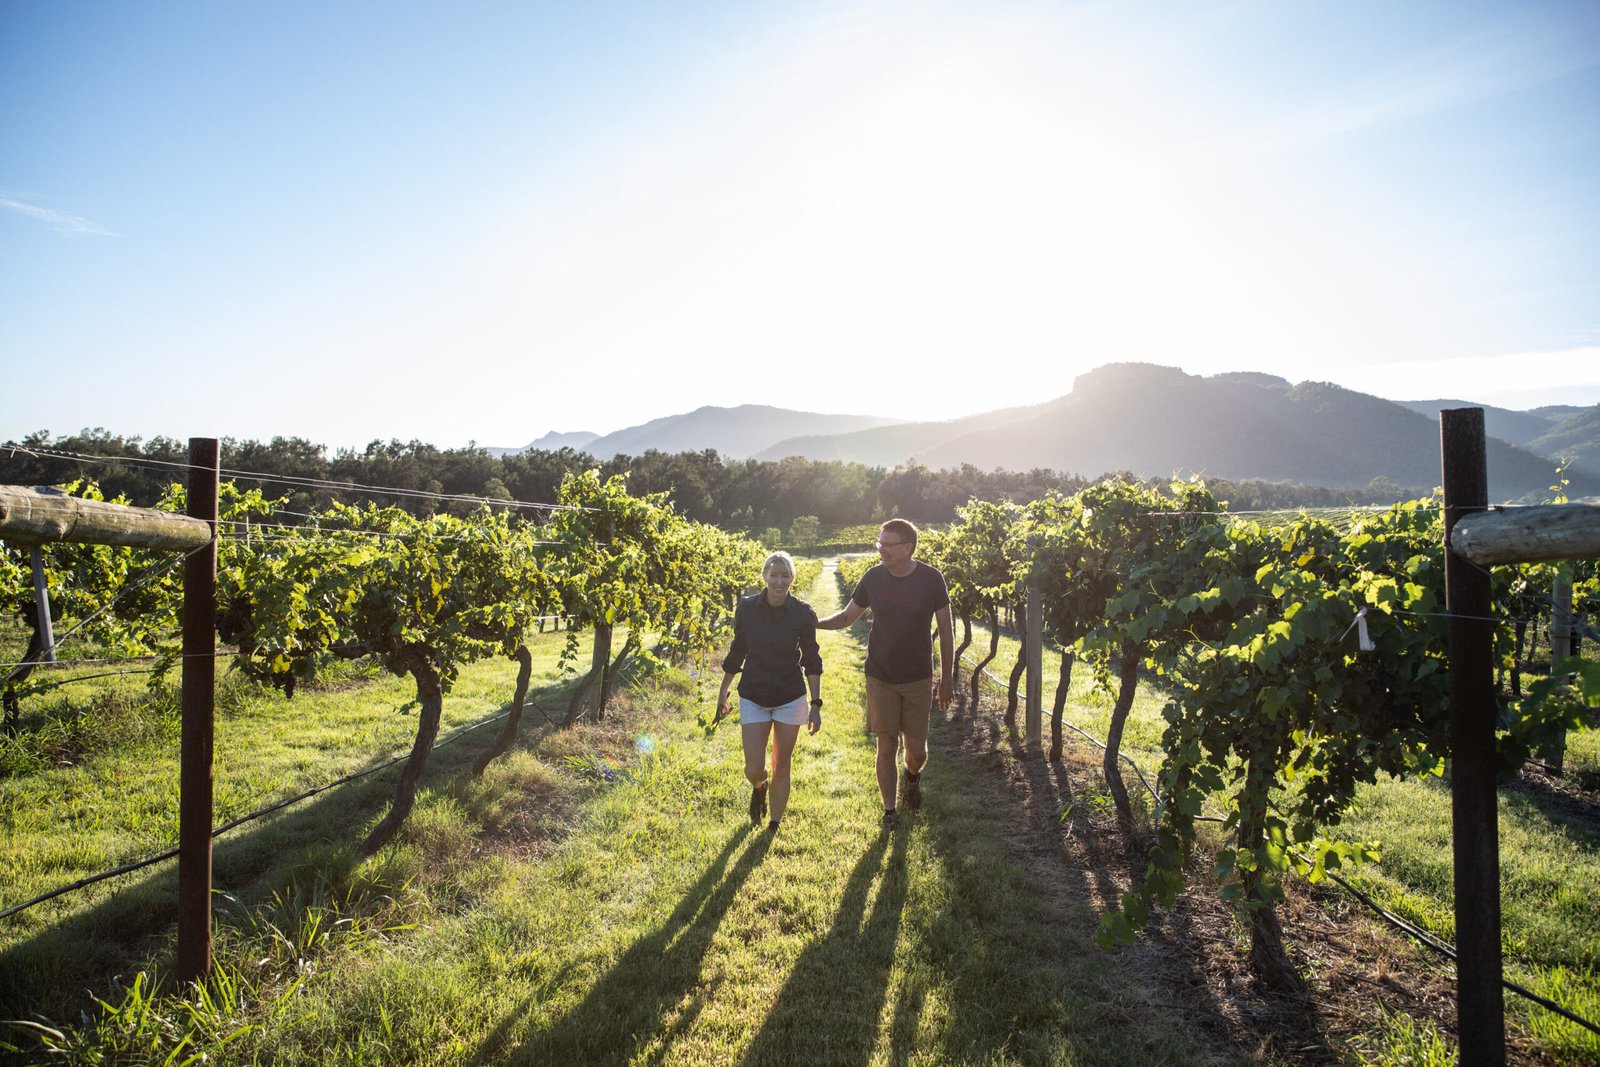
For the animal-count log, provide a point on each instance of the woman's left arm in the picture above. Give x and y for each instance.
(811, 663)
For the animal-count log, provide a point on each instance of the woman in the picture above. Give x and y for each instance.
(775, 647)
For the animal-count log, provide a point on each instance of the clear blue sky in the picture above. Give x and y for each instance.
(348, 221)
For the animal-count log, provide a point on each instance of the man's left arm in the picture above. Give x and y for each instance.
(947, 641)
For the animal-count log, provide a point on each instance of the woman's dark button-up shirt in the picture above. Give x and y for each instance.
(775, 647)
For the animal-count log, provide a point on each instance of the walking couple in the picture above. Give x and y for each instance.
(775, 650)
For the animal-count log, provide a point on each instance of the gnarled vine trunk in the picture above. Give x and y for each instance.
(1015, 680)
(430, 698)
(18, 675)
(629, 646)
(966, 637)
(1268, 960)
(1128, 682)
(597, 683)
(1062, 685)
(508, 734)
(994, 650)
(599, 662)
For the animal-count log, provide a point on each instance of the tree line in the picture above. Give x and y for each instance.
(704, 486)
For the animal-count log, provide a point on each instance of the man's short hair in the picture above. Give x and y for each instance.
(903, 529)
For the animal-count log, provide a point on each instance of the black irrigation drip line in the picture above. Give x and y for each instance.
(62, 663)
(129, 868)
(43, 687)
(1399, 922)
(1449, 953)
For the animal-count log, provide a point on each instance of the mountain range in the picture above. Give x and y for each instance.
(1157, 421)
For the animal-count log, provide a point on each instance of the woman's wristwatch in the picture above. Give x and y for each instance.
(816, 704)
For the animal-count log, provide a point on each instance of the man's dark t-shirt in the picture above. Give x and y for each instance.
(900, 647)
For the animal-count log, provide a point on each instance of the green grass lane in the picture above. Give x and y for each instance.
(667, 929)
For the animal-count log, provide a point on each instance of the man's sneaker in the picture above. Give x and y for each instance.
(758, 803)
(913, 790)
(891, 820)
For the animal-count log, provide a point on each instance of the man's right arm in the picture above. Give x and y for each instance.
(839, 620)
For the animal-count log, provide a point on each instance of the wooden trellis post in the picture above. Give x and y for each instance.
(1475, 539)
(1474, 816)
(36, 516)
(199, 719)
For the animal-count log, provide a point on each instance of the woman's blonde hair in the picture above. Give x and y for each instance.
(779, 557)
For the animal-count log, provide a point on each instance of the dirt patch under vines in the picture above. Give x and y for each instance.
(1356, 969)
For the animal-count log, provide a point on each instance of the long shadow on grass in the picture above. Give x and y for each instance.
(624, 1011)
(1041, 972)
(828, 1010)
(54, 970)
(1576, 814)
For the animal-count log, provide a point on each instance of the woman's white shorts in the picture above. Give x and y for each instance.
(794, 713)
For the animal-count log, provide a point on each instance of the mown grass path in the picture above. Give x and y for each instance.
(666, 929)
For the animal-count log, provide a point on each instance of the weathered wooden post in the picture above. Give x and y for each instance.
(199, 718)
(1480, 1006)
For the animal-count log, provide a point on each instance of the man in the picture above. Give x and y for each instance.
(905, 596)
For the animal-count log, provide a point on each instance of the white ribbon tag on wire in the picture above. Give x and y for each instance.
(1359, 625)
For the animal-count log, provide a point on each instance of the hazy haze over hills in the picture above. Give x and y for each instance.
(1156, 421)
(735, 432)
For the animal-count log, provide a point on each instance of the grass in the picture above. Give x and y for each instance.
(598, 896)
(1549, 863)
(1549, 860)
(651, 924)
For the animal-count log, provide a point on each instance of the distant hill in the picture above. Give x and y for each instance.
(736, 433)
(1157, 421)
(1576, 437)
(1555, 432)
(889, 446)
(550, 442)
(1518, 427)
(555, 442)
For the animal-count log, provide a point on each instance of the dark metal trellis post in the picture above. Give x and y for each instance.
(1560, 649)
(1480, 1007)
(1033, 649)
(198, 691)
(41, 604)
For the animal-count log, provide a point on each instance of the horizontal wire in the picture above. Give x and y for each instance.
(290, 479)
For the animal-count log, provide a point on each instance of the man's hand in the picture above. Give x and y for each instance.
(945, 689)
(842, 618)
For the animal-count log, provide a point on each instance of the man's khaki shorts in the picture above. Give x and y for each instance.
(899, 709)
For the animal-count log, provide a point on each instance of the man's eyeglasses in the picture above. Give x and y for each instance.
(892, 544)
